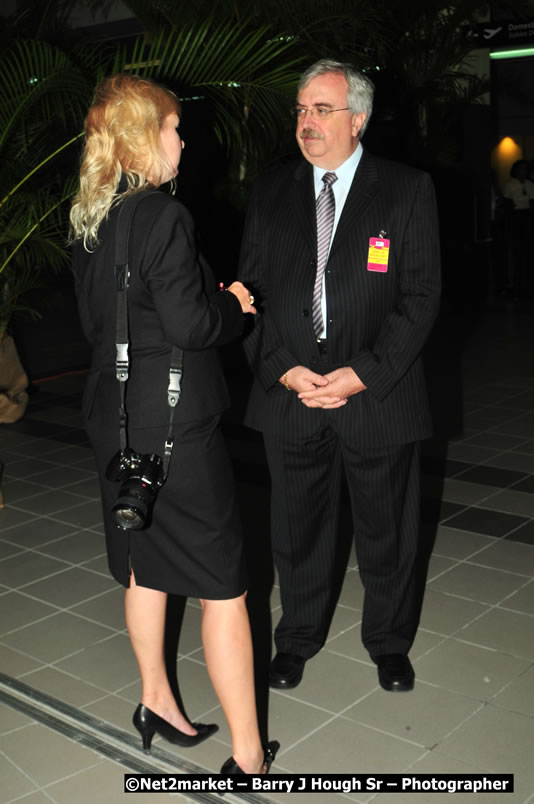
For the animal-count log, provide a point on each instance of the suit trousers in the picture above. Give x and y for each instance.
(384, 491)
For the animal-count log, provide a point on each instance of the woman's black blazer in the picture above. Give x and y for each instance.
(172, 300)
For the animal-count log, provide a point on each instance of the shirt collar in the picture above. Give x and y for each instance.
(345, 172)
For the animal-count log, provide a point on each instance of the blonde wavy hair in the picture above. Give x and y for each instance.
(122, 138)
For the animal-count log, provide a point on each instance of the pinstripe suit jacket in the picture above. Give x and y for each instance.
(377, 322)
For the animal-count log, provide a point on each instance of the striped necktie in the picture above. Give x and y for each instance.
(325, 210)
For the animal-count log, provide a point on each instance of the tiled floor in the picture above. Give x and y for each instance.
(69, 683)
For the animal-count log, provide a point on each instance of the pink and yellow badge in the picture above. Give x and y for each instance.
(377, 259)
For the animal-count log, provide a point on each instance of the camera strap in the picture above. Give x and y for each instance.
(122, 360)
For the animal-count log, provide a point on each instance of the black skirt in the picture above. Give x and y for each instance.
(192, 545)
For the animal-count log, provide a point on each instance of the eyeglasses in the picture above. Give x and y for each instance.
(320, 112)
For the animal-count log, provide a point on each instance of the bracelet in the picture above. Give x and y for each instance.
(284, 380)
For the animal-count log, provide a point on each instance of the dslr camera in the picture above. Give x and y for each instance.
(141, 477)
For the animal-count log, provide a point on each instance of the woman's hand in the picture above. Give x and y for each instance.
(246, 299)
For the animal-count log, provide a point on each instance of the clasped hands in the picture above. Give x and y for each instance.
(326, 391)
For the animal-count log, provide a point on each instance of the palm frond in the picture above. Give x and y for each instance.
(245, 75)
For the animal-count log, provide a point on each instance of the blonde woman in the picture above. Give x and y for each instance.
(191, 544)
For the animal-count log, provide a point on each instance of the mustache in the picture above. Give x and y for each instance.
(311, 133)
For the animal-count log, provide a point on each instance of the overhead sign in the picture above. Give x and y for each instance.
(504, 32)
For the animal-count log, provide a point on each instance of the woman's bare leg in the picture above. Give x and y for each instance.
(228, 651)
(145, 620)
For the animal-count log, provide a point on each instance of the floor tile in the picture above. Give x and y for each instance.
(343, 746)
(109, 664)
(352, 682)
(352, 591)
(505, 555)
(493, 739)
(69, 455)
(86, 515)
(88, 462)
(73, 585)
(27, 567)
(56, 476)
(435, 465)
(343, 620)
(64, 634)
(467, 453)
(524, 533)
(16, 664)
(15, 783)
(63, 686)
(522, 600)
(104, 784)
(526, 447)
(289, 719)
(7, 550)
(455, 543)
(490, 523)
(522, 426)
(425, 642)
(22, 611)
(435, 510)
(491, 476)
(11, 719)
(446, 614)
(423, 716)
(510, 632)
(34, 798)
(433, 763)
(106, 609)
(114, 710)
(349, 644)
(11, 517)
(515, 502)
(519, 461)
(482, 418)
(99, 564)
(518, 696)
(50, 502)
(53, 756)
(197, 691)
(80, 546)
(17, 490)
(26, 468)
(501, 442)
(526, 485)
(460, 491)
(472, 670)
(37, 532)
(89, 487)
(190, 638)
(439, 565)
(483, 584)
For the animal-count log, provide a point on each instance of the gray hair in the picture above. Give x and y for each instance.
(360, 88)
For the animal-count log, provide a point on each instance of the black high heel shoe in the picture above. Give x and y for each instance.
(231, 767)
(148, 723)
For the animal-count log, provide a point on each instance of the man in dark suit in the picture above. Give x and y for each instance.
(342, 253)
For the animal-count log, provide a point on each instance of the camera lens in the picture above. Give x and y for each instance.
(130, 510)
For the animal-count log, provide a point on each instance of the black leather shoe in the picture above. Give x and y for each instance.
(395, 672)
(148, 723)
(231, 767)
(286, 671)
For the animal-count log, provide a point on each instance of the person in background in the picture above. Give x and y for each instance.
(519, 191)
(341, 251)
(191, 545)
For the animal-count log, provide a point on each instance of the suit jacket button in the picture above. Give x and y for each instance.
(305, 313)
(313, 263)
